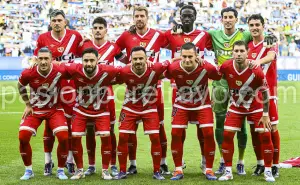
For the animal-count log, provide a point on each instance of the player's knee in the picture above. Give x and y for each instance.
(265, 137)
(24, 136)
(228, 135)
(62, 136)
(207, 132)
(104, 135)
(177, 132)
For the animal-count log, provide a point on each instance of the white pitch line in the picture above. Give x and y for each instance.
(8, 93)
(11, 112)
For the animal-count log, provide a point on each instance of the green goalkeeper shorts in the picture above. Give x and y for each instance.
(220, 96)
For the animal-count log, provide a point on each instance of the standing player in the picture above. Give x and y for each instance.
(107, 53)
(265, 57)
(43, 80)
(152, 40)
(92, 83)
(192, 101)
(249, 98)
(202, 40)
(140, 104)
(63, 44)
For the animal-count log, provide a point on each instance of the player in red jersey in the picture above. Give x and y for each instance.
(43, 80)
(63, 44)
(107, 53)
(140, 104)
(202, 40)
(265, 57)
(249, 99)
(192, 101)
(152, 40)
(91, 81)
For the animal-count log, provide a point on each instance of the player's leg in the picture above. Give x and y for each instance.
(132, 147)
(206, 123)
(267, 145)
(91, 147)
(127, 126)
(232, 124)
(78, 130)
(48, 140)
(257, 146)
(57, 123)
(102, 128)
(179, 124)
(242, 142)
(220, 99)
(273, 113)
(27, 128)
(151, 128)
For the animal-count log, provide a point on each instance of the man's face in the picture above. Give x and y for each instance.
(138, 60)
(140, 19)
(187, 17)
(229, 20)
(89, 62)
(256, 28)
(188, 58)
(99, 31)
(58, 23)
(239, 54)
(44, 61)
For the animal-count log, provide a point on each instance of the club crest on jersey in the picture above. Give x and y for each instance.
(187, 40)
(190, 82)
(143, 44)
(60, 49)
(238, 83)
(46, 85)
(253, 55)
(226, 44)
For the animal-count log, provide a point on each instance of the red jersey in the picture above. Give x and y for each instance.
(257, 52)
(245, 88)
(107, 51)
(201, 39)
(91, 91)
(64, 50)
(192, 93)
(152, 41)
(43, 89)
(141, 92)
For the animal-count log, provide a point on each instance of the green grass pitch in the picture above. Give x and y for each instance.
(11, 165)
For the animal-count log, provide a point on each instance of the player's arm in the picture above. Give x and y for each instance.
(213, 71)
(122, 58)
(271, 55)
(265, 119)
(23, 93)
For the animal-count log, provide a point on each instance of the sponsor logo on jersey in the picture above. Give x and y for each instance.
(134, 38)
(68, 57)
(180, 76)
(190, 82)
(143, 44)
(80, 80)
(60, 49)
(238, 83)
(231, 75)
(140, 86)
(131, 80)
(46, 85)
(226, 45)
(36, 81)
(187, 40)
(52, 45)
(253, 55)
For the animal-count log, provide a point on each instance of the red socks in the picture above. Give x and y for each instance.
(25, 148)
(155, 151)
(123, 150)
(200, 139)
(62, 148)
(276, 144)
(228, 147)
(257, 146)
(105, 151)
(132, 145)
(177, 146)
(268, 149)
(113, 148)
(91, 144)
(77, 151)
(163, 141)
(48, 138)
(209, 146)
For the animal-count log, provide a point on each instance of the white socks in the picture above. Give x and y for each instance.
(48, 157)
(163, 161)
(70, 158)
(133, 162)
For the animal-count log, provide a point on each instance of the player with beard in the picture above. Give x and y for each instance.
(107, 53)
(266, 58)
(91, 80)
(152, 40)
(63, 44)
(43, 80)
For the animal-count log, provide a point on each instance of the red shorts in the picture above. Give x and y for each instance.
(102, 124)
(181, 117)
(273, 111)
(234, 121)
(55, 120)
(128, 122)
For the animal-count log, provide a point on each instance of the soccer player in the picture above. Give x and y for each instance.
(265, 57)
(192, 101)
(43, 80)
(91, 81)
(249, 99)
(107, 53)
(63, 44)
(140, 104)
(202, 40)
(152, 40)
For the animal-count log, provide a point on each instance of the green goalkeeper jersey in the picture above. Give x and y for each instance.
(222, 43)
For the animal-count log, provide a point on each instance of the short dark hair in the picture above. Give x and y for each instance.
(229, 9)
(100, 20)
(188, 45)
(189, 7)
(256, 17)
(45, 50)
(240, 43)
(57, 12)
(138, 48)
(140, 8)
(90, 50)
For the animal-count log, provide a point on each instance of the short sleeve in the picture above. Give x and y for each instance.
(161, 67)
(121, 41)
(163, 39)
(247, 36)
(208, 43)
(261, 80)
(24, 78)
(168, 72)
(39, 45)
(212, 71)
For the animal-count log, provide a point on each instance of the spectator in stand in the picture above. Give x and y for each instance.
(292, 48)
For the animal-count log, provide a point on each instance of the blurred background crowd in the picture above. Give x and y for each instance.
(22, 21)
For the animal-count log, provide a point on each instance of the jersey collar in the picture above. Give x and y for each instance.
(237, 72)
(51, 67)
(142, 36)
(230, 37)
(99, 47)
(61, 38)
(189, 32)
(97, 70)
(187, 71)
(139, 76)
(255, 45)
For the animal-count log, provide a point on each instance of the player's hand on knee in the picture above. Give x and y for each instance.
(265, 120)
(28, 111)
(177, 29)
